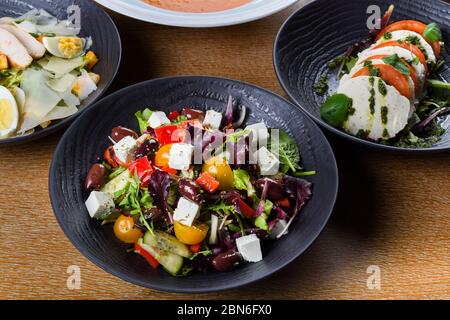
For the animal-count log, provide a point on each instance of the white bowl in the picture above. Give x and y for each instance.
(254, 10)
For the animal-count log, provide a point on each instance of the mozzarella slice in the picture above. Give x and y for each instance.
(396, 109)
(404, 34)
(402, 53)
(379, 61)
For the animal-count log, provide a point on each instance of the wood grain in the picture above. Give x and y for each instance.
(393, 211)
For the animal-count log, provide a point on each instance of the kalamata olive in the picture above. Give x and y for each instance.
(147, 149)
(226, 261)
(192, 114)
(96, 176)
(118, 133)
(190, 190)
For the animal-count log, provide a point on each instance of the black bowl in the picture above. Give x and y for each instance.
(106, 44)
(87, 138)
(323, 30)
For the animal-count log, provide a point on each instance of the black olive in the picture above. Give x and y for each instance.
(192, 114)
(96, 176)
(147, 149)
(226, 261)
(118, 133)
(190, 190)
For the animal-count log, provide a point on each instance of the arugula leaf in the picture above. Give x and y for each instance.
(142, 118)
(204, 253)
(287, 151)
(242, 181)
(394, 61)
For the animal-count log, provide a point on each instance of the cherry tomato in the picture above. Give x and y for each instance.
(219, 168)
(190, 235)
(125, 230)
(162, 156)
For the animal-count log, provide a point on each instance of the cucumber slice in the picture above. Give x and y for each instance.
(171, 262)
(119, 183)
(167, 242)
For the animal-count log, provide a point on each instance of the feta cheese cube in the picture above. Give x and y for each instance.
(268, 162)
(125, 148)
(212, 119)
(186, 211)
(158, 119)
(278, 229)
(99, 204)
(249, 247)
(180, 156)
(260, 132)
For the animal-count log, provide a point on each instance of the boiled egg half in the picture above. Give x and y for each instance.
(9, 113)
(64, 47)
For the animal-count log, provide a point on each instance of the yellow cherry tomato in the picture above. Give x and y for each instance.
(219, 168)
(162, 156)
(190, 235)
(125, 230)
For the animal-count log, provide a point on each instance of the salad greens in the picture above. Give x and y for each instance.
(190, 216)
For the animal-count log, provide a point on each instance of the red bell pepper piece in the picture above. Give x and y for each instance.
(246, 210)
(169, 170)
(108, 156)
(173, 115)
(195, 247)
(169, 134)
(283, 203)
(208, 182)
(144, 253)
(144, 170)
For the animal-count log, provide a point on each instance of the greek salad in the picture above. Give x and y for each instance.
(45, 72)
(197, 191)
(389, 90)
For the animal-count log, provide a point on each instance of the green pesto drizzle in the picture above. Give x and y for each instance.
(382, 88)
(384, 115)
(387, 36)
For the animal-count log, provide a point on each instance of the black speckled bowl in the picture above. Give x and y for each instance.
(323, 30)
(87, 138)
(106, 44)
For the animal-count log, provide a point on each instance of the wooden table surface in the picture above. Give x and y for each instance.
(393, 211)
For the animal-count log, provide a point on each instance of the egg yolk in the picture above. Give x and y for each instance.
(6, 114)
(70, 46)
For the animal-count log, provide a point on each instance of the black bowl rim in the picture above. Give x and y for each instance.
(66, 121)
(343, 135)
(165, 288)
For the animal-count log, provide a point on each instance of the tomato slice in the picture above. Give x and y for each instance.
(144, 253)
(412, 72)
(411, 25)
(391, 76)
(208, 182)
(195, 247)
(410, 47)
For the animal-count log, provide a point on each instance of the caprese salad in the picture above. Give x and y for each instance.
(385, 92)
(184, 194)
(45, 72)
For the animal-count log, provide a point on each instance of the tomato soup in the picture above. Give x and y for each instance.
(197, 6)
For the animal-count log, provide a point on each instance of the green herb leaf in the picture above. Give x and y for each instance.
(242, 181)
(432, 32)
(287, 151)
(394, 61)
(142, 118)
(335, 109)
